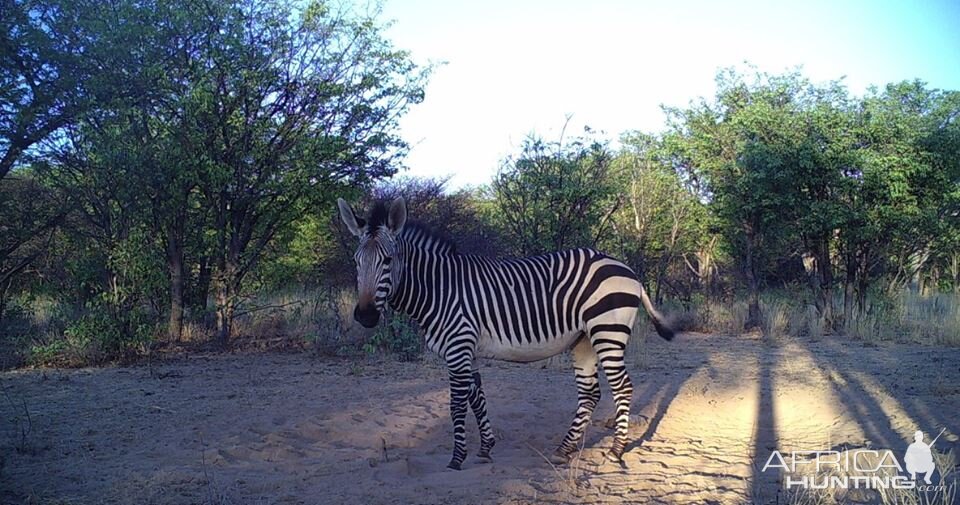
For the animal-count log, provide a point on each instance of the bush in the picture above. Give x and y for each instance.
(94, 338)
(398, 335)
(17, 320)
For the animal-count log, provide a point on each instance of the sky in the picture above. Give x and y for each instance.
(511, 68)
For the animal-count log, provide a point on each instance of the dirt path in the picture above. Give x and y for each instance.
(263, 429)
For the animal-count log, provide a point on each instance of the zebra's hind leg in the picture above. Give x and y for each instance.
(588, 395)
(459, 368)
(478, 403)
(609, 341)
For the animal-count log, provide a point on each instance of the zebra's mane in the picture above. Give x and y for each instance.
(378, 215)
(416, 232)
(425, 236)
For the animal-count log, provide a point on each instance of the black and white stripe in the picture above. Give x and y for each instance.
(516, 310)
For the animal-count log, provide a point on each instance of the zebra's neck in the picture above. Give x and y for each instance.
(423, 264)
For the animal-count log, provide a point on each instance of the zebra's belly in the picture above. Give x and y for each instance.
(489, 346)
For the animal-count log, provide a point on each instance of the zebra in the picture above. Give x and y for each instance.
(518, 310)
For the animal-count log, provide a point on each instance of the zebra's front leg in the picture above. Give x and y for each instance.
(461, 380)
(588, 395)
(478, 403)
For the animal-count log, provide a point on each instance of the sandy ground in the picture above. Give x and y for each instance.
(291, 428)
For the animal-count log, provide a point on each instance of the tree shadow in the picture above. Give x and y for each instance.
(846, 363)
(763, 485)
(664, 388)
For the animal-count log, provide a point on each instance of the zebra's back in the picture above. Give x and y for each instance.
(532, 308)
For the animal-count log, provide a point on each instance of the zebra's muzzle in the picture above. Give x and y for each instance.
(367, 315)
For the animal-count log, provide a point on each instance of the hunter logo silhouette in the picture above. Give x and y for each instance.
(919, 457)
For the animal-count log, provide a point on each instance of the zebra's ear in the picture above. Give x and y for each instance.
(349, 218)
(398, 215)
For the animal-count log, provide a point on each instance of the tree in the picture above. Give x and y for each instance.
(29, 216)
(292, 103)
(59, 61)
(901, 199)
(131, 180)
(771, 153)
(556, 195)
(718, 143)
(258, 112)
(102, 170)
(797, 170)
(662, 222)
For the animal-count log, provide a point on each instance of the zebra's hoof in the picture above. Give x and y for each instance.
(454, 466)
(559, 458)
(484, 458)
(615, 458)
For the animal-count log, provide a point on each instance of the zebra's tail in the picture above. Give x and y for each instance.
(663, 328)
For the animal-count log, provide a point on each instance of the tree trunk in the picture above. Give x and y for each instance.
(753, 283)
(14, 150)
(933, 283)
(657, 292)
(199, 299)
(955, 272)
(863, 279)
(753, 308)
(175, 266)
(917, 261)
(225, 312)
(706, 271)
(4, 288)
(848, 287)
(228, 283)
(820, 274)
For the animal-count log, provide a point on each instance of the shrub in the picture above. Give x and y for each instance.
(721, 316)
(398, 335)
(94, 338)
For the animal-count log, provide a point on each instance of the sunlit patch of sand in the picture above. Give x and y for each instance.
(808, 411)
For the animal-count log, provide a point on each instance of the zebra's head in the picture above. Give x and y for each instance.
(375, 256)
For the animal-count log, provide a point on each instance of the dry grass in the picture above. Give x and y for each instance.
(637, 351)
(37, 330)
(320, 318)
(571, 476)
(909, 317)
(930, 319)
(775, 317)
(947, 495)
(720, 316)
(194, 332)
